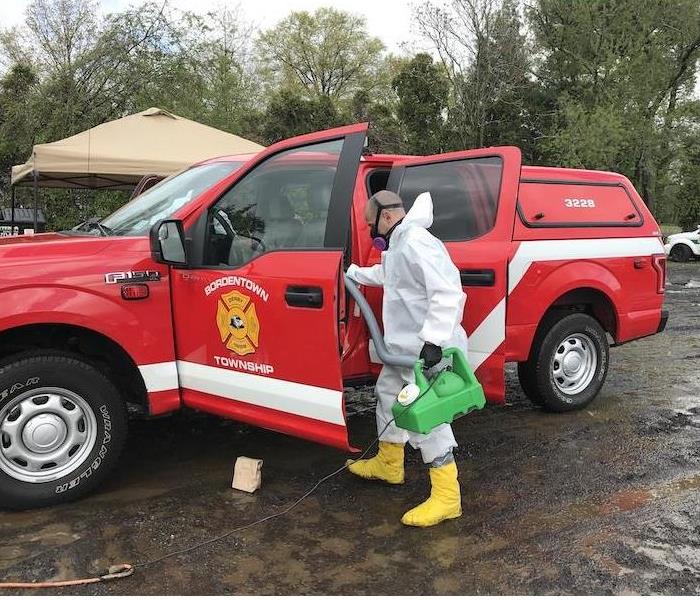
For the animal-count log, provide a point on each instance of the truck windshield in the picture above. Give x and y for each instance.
(164, 199)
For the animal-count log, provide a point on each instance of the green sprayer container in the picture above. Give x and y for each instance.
(448, 395)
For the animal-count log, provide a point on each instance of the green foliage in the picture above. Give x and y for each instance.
(289, 113)
(688, 195)
(422, 89)
(620, 72)
(385, 133)
(487, 60)
(16, 123)
(592, 138)
(325, 53)
(669, 229)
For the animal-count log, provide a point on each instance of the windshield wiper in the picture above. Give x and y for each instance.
(94, 223)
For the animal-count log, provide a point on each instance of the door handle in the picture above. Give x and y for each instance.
(478, 277)
(304, 296)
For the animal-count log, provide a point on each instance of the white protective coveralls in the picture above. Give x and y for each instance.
(423, 302)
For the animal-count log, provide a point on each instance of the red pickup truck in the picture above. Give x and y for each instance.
(220, 289)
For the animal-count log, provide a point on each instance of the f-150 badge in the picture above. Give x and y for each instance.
(132, 276)
(238, 323)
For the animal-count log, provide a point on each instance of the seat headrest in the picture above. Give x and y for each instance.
(320, 196)
(276, 208)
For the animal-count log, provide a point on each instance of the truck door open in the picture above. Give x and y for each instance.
(258, 319)
(474, 195)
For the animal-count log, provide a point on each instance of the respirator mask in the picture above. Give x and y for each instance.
(381, 241)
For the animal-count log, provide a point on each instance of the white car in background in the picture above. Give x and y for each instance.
(681, 247)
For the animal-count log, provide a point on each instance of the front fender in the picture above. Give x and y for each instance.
(142, 328)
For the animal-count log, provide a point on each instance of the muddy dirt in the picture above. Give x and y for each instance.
(603, 501)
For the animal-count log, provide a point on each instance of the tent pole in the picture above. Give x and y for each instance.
(36, 200)
(12, 219)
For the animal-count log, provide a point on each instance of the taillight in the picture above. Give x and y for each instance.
(659, 262)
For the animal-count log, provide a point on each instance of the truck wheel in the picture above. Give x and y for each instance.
(526, 377)
(681, 253)
(62, 428)
(568, 362)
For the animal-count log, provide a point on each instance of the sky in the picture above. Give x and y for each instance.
(389, 20)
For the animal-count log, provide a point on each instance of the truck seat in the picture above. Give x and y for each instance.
(315, 226)
(282, 227)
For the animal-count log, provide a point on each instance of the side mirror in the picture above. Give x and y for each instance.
(168, 243)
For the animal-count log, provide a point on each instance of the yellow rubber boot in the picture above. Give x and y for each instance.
(445, 501)
(387, 465)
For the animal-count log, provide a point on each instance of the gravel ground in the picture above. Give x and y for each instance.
(603, 501)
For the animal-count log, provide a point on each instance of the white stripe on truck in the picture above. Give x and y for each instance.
(545, 250)
(299, 399)
(159, 377)
(491, 332)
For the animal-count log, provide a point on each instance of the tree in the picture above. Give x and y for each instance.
(84, 75)
(201, 67)
(326, 53)
(92, 70)
(385, 133)
(619, 71)
(685, 168)
(485, 57)
(88, 70)
(16, 117)
(689, 191)
(422, 90)
(289, 114)
(226, 62)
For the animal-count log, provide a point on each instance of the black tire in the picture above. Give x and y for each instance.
(550, 342)
(526, 377)
(88, 463)
(681, 253)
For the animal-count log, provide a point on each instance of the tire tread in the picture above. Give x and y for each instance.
(62, 361)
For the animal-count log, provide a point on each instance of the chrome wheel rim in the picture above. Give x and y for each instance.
(574, 364)
(45, 434)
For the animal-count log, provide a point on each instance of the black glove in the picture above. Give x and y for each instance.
(431, 355)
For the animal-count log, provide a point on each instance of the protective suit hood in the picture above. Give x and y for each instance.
(421, 213)
(423, 296)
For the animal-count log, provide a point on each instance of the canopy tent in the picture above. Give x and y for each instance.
(117, 154)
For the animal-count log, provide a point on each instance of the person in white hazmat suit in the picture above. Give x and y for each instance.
(422, 311)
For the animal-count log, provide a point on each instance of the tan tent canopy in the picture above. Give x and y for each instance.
(116, 155)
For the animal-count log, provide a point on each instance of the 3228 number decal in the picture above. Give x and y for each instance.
(579, 202)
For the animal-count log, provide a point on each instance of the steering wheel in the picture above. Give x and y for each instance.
(234, 252)
(257, 246)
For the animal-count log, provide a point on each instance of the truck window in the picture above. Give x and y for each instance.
(377, 180)
(281, 204)
(576, 204)
(465, 195)
(165, 198)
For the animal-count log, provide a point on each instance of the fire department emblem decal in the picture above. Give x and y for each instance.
(238, 323)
